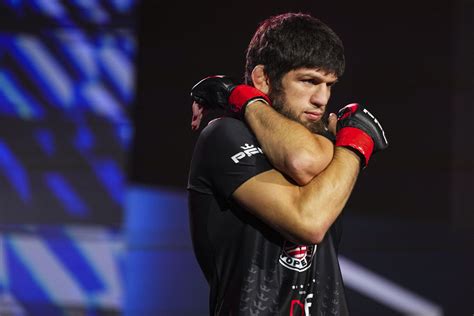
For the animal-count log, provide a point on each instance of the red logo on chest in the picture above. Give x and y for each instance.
(297, 257)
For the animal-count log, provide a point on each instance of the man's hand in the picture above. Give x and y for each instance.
(213, 92)
(360, 131)
(220, 92)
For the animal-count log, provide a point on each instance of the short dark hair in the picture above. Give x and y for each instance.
(293, 40)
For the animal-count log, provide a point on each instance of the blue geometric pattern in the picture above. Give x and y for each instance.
(72, 12)
(67, 74)
(14, 172)
(16, 102)
(66, 86)
(67, 172)
(66, 194)
(51, 269)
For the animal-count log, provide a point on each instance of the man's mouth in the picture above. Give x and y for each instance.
(313, 116)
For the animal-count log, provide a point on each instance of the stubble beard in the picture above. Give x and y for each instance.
(280, 105)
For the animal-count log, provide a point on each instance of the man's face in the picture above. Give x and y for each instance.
(304, 95)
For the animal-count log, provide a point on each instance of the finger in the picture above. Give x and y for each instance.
(332, 122)
(197, 115)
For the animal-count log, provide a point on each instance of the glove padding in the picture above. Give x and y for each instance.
(219, 91)
(359, 130)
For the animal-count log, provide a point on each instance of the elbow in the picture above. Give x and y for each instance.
(304, 166)
(316, 236)
(310, 234)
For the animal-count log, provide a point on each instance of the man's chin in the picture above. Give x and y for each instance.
(316, 127)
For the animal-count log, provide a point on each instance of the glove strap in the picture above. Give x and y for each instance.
(358, 140)
(242, 95)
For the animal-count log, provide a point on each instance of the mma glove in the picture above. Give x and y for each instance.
(360, 131)
(220, 92)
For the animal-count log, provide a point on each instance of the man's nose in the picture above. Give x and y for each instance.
(321, 94)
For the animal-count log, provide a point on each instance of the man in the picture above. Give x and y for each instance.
(267, 185)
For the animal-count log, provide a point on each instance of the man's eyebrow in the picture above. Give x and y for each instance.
(317, 76)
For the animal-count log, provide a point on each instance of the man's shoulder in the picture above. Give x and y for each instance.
(224, 123)
(224, 127)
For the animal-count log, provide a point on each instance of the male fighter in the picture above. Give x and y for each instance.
(267, 185)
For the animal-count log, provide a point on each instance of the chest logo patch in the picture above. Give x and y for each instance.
(297, 257)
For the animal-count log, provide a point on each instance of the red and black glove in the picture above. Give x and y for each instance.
(220, 92)
(360, 131)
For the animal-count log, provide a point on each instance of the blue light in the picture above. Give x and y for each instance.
(123, 5)
(33, 299)
(156, 214)
(120, 70)
(72, 258)
(103, 102)
(84, 139)
(67, 81)
(46, 70)
(124, 132)
(51, 7)
(14, 3)
(160, 261)
(15, 172)
(93, 10)
(79, 51)
(45, 139)
(111, 176)
(66, 194)
(22, 105)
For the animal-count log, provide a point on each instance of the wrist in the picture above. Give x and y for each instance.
(349, 156)
(255, 108)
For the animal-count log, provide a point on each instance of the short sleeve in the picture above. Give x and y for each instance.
(226, 155)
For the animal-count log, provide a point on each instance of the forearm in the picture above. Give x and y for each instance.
(290, 147)
(323, 199)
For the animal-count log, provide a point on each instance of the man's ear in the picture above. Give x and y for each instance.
(260, 79)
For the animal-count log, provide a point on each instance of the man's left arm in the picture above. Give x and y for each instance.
(290, 147)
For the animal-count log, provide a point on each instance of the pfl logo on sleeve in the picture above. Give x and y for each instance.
(248, 150)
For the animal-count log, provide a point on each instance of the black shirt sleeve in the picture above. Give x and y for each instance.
(226, 155)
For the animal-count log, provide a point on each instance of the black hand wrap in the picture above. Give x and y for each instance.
(213, 92)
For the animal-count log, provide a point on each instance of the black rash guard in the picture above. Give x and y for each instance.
(251, 269)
